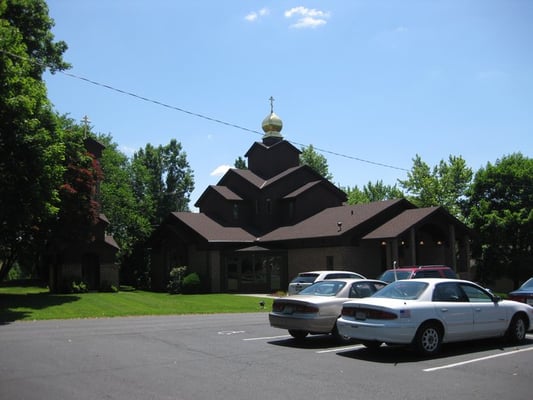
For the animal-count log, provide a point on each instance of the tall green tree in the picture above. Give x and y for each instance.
(164, 179)
(443, 185)
(31, 145)
(315, 160)
(129, 208)
(373, 192)
(500, 209)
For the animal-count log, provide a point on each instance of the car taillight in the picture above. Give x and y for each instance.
(348, 311)
(294, 308)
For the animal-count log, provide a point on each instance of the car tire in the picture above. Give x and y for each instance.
(340, 338)
(428, 339)
(371, 344)
(516, 332)
(297, 334)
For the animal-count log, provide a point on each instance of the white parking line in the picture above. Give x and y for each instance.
(509, 353)
(335, 349)
(268, 337)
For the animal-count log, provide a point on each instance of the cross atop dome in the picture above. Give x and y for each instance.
(272, 126)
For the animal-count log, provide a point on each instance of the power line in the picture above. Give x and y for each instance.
(175, 108)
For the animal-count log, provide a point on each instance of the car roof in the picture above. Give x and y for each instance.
(416, 267)
(435, 280)
(328, 271)
(350, 280)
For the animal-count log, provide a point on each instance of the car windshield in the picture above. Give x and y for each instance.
(305, 278)
(407, 290)
(388, 276)
(323, 288)
(528, 284)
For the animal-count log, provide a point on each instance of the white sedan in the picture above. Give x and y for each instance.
(429, 312)
(316, 308)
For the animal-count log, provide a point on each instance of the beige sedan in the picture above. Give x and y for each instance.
(316, 308)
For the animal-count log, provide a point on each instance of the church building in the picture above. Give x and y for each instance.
(259, 227)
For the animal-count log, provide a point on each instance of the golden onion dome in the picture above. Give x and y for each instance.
(272, 125)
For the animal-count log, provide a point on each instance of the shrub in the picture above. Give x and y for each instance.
(191, 283)
(174, 285)
(107, 286)
(78, 287)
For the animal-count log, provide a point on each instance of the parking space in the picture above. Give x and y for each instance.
(454, 355)
(239, 356)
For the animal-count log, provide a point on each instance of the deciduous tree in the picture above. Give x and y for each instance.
(500, 209)
(373, 192)
(443, 185)
(31, 145)
(315, 160)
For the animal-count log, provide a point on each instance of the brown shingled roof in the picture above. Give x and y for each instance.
(225, 192)
(302, 189)
(401, 223)
(211, 230)
(325, 223)
(249, 176)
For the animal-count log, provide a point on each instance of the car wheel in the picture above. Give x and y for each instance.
(338, 337)
(371, 344)
(297, 334)
(517, 329)
(428, 339)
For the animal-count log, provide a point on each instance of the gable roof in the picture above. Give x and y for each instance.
(408, 219)
(211, 230)
(301, 189)
(263, 147)
(326, 222)
(225, 192)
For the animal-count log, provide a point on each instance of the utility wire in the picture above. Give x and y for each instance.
(218, 121)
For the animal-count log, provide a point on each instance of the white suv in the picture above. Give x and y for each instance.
(305, 279)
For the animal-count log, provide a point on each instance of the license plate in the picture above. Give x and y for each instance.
(361, 315)
(529, 301)
(287, 310)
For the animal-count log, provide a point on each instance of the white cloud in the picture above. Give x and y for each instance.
(307, 17)
(254, 15)
(220, 170)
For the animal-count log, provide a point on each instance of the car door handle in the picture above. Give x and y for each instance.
(478, 309)
(444, 309)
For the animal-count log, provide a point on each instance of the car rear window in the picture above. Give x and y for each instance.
(305, 278)
(427, 273)
(338, 275)
(324, 288)
(406, 290)
(448, 273)
(388, 276)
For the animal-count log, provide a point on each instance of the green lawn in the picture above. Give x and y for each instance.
(34, 303)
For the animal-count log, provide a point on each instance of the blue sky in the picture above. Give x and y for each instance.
(372, 82)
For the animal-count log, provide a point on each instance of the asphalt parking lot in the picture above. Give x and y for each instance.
(239, 356)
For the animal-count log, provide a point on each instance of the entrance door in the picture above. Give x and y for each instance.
(259, 272)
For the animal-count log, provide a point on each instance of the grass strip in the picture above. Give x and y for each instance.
(34, 303)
